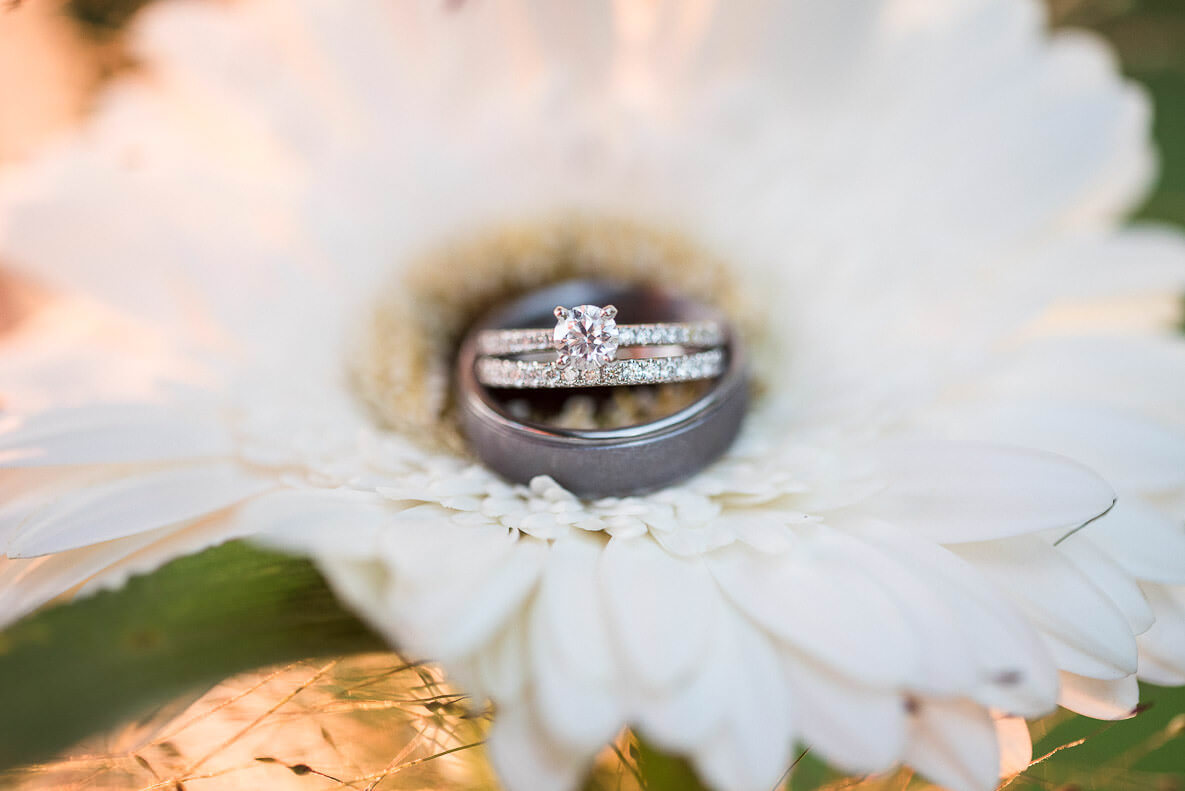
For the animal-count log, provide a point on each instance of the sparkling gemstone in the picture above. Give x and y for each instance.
(585, 337)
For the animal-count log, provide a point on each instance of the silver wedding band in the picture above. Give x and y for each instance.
(601, 462)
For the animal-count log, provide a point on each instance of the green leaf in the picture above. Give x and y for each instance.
(82, 668)
(663, 772)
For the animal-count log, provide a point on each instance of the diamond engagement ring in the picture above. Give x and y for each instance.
(594, 350)
(600, 462)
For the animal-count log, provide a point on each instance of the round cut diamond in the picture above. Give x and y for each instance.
(586, 336)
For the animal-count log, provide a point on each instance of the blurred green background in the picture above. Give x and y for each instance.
(1149, 36)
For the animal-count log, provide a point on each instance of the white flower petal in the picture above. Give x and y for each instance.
(689, 541)
(25, 491)
(26, 584)
(1138, 258)
(1076, 80)
(1016, 671)
(861, 632)
(1016, 745)
(684, 717)
(1105, 574)
(323, 522)
(578, 38)
(526, 760)
(1164, 643)
(954, 744)
(1145, 542)
(856, 728)
(948, 664)
(954, 492)
(572, 610)
(502, 665)
(1127, 449)
(1084, 630)
(1154, 671)
(132, 505)
(765, 531)
(578, 713)
(1144, 374)
(111, 434)
(454, 587)
(71, 354)
(572, 661)
(1104, 700)
(179, 542)
(752, 750)
(662, 610)
(360, 585)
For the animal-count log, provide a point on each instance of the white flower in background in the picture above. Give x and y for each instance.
(967, 357)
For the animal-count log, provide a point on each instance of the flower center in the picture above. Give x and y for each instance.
(585, 336)
(402, 363)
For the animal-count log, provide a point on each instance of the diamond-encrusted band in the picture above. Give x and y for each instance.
(701, 334)
(587, 340)
(500, 372)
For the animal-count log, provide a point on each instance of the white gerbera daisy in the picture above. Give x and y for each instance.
(964, 358)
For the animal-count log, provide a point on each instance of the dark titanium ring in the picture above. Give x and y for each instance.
(602, 462)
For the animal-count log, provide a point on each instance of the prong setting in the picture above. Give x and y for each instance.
(585, 336)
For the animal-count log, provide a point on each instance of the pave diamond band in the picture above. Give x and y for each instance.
(702, 334)
(500, 372)
(587, 341)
